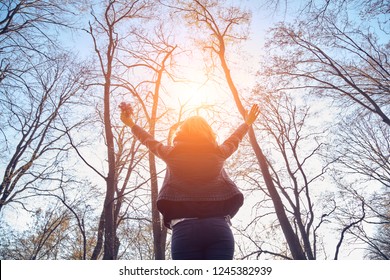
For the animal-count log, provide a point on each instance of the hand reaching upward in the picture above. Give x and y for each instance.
(126, 112)
(253, 114)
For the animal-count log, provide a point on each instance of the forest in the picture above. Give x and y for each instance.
(75, 184)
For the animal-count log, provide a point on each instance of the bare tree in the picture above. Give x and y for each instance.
(78, 206)
(378, 245)
(333, 58)
(361, 147)
(366, 9)
(138, 234)
(37, 84)
(367, 152)
(32, 112)
(299, 148)
(41, 241)
(327, 54)
(26, 30)
(63, 230)
(294, 150)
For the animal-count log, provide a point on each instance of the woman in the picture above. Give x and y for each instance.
(197, 198)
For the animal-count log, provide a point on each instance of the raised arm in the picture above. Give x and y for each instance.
(253, 114)
(231, 144)
(126, 114)
(156, 147)
(143, 136)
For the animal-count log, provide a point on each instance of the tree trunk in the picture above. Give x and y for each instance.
(111, 184)
(99, 242)
(159, 254)
(159, 230)
(158, 238)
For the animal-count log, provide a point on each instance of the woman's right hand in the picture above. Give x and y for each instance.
(253, 114)
(127, 120)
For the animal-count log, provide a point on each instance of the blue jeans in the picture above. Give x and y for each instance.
(202, 239)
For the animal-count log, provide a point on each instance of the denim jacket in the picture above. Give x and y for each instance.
(195, 173)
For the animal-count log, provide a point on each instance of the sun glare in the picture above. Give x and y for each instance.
(195, 94)
(192, 95)
(193, 87)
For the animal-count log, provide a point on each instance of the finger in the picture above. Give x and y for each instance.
(256, 110)
(253, 109)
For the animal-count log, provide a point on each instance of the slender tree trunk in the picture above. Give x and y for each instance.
(99, 242)
(159, 249)
(111, 184)
(159, 254)
(159, 230)
(305, 237)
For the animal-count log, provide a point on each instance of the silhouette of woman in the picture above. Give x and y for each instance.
(197, 198)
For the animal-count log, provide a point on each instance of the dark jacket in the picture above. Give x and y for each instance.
(196, 184)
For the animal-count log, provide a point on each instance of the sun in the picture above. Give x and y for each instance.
(192, 95)
(196, 94)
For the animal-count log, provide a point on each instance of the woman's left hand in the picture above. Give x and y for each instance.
(253, 114)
